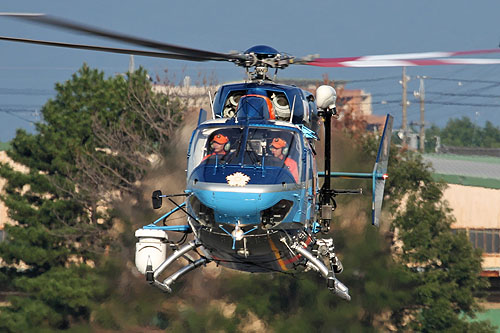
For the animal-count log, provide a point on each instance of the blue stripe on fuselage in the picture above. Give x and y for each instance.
(245, 207)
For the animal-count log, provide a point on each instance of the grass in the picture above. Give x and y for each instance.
(468, 181)
(493, 315)
(4, 146)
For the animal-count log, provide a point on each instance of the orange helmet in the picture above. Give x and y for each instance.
(278, 143)
(220, 139)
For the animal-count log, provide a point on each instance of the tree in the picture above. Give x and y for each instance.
(62, 223)
(464, 133)
(441, 266)
(490, 136)
(461, 133)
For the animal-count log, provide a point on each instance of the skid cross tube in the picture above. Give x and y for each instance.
(151, 276)
(176, 255)
(167, 283)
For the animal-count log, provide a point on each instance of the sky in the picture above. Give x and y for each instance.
(28, 73)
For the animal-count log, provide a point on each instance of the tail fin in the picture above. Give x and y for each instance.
(380, 170)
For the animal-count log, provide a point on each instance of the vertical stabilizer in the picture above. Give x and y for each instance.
(380, 170)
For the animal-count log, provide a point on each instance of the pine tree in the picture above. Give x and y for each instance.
(59, 208)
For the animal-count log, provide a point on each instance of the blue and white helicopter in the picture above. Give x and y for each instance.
(253, 198)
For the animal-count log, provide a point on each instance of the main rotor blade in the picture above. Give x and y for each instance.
(68, 25)
(402, 56)
(401, 63)
(105, 49)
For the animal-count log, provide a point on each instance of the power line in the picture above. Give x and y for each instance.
(383, 102)
(26, 91)
(20, 107)
(465, 94)
(464, 104)
(462, 80)
(376, 79)
(16, 115)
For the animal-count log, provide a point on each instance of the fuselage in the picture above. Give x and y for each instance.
(259, 188)
(247, 191)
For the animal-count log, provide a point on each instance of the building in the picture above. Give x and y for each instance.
(474, 195)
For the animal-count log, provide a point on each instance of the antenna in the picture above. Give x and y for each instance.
(293, 108)
(211, 104)
(404, 104)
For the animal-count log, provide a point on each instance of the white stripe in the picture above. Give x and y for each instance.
(376, 63)
(407, 56)
(472, 61)
(399, 63)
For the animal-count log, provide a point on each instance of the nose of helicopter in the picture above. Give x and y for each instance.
(231, 207)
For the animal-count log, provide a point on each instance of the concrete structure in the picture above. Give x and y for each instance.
(191, 96)
(356, 101)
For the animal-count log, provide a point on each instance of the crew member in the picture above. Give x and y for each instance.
(219, 146)
(277, 149)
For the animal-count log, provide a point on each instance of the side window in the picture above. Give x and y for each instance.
(284, 149)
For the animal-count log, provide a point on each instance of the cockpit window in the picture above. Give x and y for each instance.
(273, 148)
(255, 147)
(215, 145)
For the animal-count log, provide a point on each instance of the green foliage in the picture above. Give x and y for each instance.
(442, 266)
(54, 250)
(52, 299)
(464, 133)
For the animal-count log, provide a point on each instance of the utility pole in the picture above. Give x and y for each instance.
(421, 95)
(404, 103)
(131, 64)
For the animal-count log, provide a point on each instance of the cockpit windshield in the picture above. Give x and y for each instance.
(253, 147)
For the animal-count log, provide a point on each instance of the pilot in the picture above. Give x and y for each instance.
(279, 149)
(219, 145)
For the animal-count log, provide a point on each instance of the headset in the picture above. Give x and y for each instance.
(227, 146)
(284, 150)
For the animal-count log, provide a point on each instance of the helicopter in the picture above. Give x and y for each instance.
(253, 199)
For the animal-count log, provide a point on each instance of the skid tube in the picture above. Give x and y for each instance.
(151, 276)
(333, 284)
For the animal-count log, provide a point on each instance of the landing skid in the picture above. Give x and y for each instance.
(324, 251)
(166, 285)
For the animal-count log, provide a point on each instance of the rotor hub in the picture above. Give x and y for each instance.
(262, 57)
